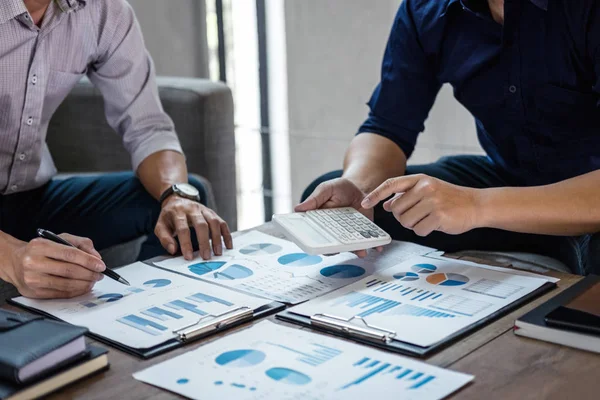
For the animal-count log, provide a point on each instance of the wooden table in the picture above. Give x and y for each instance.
(505, 366)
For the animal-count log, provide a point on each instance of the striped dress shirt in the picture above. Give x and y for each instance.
(40, 66)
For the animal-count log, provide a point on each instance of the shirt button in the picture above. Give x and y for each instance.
(512, 89)
(22, 156)
(34, 79)
(14, 187)
(30, 121)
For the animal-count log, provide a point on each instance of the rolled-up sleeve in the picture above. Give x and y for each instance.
(402, 100)
(124, 73)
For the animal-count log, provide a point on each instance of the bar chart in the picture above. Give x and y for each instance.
(161, 314)
(184, 305)
(409, 378)
(316, 355)
(143, 324)
(370, 304)
(415, 311)
(204, 298)
(399, 290)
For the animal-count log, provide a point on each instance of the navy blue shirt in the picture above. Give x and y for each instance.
(532, 84)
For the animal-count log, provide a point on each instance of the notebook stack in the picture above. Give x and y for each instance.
(39, 356)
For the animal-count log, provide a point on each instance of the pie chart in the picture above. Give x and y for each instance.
(299, 260)
(424, 268)
(343, 271)
(205, 267)
(157, 283)
(110, 297)
(289, 376)
(240, 358)
(406, 276)
(260, 249)
(447, 279)
(234, 272)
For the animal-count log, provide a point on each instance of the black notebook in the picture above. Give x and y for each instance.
(572, 318)
(31, 346)
(95, 360)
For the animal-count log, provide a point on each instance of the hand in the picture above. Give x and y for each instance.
(176, 218)
(43, 269)
(337, 193)
(425, 204)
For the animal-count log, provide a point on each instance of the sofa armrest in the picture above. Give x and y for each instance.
(80, 140)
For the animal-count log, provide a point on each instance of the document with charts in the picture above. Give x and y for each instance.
(425, 300)
(277, 269)
(270, 361)
(146, 313)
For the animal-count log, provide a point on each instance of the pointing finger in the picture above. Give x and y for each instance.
(388, 188)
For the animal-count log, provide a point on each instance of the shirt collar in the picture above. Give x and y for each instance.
(10, 9)
(543, 4)
(68, 6)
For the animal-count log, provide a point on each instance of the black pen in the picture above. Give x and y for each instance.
(57, 239)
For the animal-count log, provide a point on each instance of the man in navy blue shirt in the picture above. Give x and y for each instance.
(529, 73)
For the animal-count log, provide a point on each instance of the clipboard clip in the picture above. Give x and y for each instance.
(344, 325)
(214, 323)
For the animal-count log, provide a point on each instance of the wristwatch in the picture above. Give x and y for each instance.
(184, 190)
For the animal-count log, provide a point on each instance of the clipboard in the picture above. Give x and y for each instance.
(206, 325)
(357, 329)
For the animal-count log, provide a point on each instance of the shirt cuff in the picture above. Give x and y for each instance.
(153, 143)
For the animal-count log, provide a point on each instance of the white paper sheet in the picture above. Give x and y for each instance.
(424, 299)
(270, 361)
(277, 269)
(145, 314)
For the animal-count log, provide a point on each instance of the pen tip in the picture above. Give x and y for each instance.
(124, 282)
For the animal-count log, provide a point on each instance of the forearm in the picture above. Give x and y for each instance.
(371, 159)
(567, 208)
(161, 170)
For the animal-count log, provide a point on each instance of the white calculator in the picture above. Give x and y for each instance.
(333, 230)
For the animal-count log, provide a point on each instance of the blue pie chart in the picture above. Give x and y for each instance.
(110, 297)
(343, 271)
(234, 272)
(260, 249)
(205, 267)
(241, 358)
(157, 283)
(288, 376)
(406, 276)
(299, 260)
(424, 268)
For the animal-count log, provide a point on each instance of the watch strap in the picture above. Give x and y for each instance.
(166, 194)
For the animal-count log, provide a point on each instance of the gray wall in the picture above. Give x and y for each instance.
(175, 35)
(335, 48)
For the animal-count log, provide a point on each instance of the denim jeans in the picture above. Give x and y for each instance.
(109, 209)
(581, 254)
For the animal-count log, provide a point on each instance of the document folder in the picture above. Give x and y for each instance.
(205, 326)
(357, 329)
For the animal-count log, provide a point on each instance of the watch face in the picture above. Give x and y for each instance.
(187, 189)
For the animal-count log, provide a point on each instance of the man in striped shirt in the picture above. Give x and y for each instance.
(46, 46)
